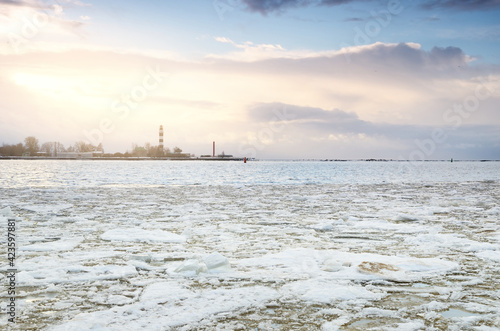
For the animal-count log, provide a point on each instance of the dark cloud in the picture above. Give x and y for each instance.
(24, 3)
(267, 6)
(462, 5)
(394, 61)
(13, 2)
(354, 19)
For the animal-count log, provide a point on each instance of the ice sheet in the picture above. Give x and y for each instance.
(394, 255)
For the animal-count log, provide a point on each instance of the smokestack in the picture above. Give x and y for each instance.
(160, 146)
(214, 150)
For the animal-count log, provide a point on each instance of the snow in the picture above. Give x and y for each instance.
(56, 246)
(225, 246)
(132, 234)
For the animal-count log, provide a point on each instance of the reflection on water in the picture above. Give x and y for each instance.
(46, 173)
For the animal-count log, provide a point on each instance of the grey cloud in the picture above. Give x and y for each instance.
(462, 5)
(327, 121)
(14, 2)
(24, 3)
(380, 61)
(355, 19)
(264, 112)
(481, 141)
(267, 6)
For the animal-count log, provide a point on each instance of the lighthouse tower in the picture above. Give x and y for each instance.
(160, 145)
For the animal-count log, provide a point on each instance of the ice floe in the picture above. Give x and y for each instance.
(106, 250)
(137, 234)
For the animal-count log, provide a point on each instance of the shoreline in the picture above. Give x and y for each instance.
(121, 158)
(218, 159)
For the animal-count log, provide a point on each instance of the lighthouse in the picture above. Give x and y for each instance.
(160, 145)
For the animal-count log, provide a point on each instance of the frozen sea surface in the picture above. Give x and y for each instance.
(257, 246)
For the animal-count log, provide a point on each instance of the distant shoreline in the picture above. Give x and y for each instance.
(122, 158)
(217, 159)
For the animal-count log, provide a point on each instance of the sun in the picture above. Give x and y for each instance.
(40, 82)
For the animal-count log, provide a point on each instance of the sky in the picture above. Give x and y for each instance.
(271, 79)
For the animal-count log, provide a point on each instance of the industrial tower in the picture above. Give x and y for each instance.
(160, 145)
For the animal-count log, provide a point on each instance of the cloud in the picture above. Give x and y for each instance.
(248, 51)
(27, 19)
(312, 125)
(396, 60)
(379, 54)
(355, 19)
(465, 5)
(267, 6)
(335, 121)
(24, 3)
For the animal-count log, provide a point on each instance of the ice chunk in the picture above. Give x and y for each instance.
(165, 291)
(331, 265)
(141, 257)
(406, 218)
(74, 273)
(323, 226)
(320, 291)
(214, 262)
(294, 262)
(191, 267)
(384, 270)
(134, 234)
(489, 255)
(47, 209)
(217, 262)
(56, 246)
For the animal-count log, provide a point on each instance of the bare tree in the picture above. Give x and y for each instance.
(59, 147)
(47, 148)
(31, 145)
(83, 147)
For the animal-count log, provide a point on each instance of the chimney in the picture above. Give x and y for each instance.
(214, 150)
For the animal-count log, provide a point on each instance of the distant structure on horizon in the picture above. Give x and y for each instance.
(160, 145)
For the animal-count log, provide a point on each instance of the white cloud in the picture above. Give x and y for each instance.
(58, 10)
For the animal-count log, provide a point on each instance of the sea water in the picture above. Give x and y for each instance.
(29, 173)
(264, 245)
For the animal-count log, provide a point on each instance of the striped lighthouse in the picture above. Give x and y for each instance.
(160, 145)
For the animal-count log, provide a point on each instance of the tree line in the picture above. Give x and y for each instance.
(32, 147)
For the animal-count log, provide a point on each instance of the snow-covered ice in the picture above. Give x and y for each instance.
(261, 246)
(138, 234)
